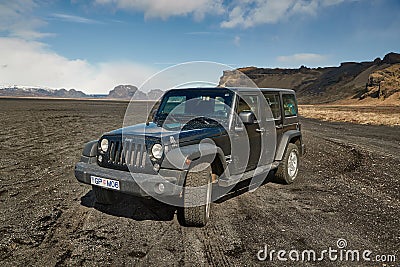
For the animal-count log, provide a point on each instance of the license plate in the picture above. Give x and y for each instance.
(103, 182)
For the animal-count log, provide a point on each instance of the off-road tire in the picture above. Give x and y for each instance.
(196, 198)
(283, 175)
(105, 196)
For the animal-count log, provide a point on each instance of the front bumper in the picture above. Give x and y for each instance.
(142, 184)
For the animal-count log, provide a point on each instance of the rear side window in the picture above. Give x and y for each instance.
(274, 104)
(289, 105)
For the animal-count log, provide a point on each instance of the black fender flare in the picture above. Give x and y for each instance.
(177, 158)
(285, 140)
(90, 149)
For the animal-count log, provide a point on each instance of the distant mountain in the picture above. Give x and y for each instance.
(70, 93)
(132, 92)
(40, 92)
(125, 92)
(351, 80)
(139, 95)
(155, 94)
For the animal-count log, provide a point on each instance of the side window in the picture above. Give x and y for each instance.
(289, 105)
(173, 103)
(274, 104)
(248, 103)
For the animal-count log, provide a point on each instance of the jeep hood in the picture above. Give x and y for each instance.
(153, 131)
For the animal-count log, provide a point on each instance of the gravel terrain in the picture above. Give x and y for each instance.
(348, 187)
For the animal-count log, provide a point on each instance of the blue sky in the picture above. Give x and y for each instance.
(94, 45)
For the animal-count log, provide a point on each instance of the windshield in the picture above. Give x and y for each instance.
(182, 105)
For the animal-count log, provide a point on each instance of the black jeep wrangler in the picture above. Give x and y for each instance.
(196, 141)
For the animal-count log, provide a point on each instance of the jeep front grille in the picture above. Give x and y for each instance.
(130, 154)
(135, 154)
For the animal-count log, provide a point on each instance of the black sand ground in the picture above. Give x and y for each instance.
(348, 187)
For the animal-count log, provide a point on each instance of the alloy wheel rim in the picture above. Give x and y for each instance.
(292, 164)
(208, 203)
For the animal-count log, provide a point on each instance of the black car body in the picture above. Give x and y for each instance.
(156, 158)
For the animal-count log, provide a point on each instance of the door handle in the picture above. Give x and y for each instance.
(280, 126)
(260, 130)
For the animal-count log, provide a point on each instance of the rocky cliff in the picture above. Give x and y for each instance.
(322, 85)
(383, 84)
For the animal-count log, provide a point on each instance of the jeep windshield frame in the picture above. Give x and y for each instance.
(182, 105)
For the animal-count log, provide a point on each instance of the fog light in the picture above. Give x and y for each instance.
(100, 158)
(157, 151)
(159, 188)
(156, 167)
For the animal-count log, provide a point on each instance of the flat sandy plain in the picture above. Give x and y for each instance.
(348, 187)
(375, 115)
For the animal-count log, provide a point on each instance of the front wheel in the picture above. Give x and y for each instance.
(289, 167)
(196, 197)
(105, 196)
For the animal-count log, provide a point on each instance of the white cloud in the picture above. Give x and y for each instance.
(26, 61)
(16, 19)
(75, 19)
(168, 8)
(31, 63)
(302, 59)
(249, 13)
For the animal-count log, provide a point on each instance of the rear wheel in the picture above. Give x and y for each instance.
(289, 167)
(105, 196)
(196, 197)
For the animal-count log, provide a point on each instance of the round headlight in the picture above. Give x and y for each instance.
(157, 151)
(104, 145)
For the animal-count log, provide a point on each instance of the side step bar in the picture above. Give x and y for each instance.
(234, 179)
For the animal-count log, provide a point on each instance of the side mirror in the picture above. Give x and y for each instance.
(247, 117)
